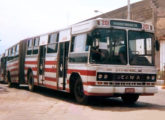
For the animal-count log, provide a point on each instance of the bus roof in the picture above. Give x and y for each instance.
(87, 26)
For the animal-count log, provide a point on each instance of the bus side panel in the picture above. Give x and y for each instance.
(12, 68)
(87, 75)
(31, 63)
(50, 74)
(22, 61)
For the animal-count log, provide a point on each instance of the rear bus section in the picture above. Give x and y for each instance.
(3, 68)
(15, 64)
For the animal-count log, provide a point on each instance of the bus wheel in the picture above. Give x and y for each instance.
(10, 84)
(79, 92)
(130, 98)
(16, 85)
(30, 82)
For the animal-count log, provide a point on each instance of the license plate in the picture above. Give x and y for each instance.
(129, 90)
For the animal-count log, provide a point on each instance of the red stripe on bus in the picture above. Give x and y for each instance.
(14, 69)
(35, 83)
(50, 79)
(34, 68)
(11, 65)
(89, 83)
(67, 81)
(31, 62)
(67, 89)
(83, 72)
(15, 75)
(50, 86)
(50, 62)
(35, 76)
(50, 70)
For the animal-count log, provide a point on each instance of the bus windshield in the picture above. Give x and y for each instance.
(109, 46)
(140, 48)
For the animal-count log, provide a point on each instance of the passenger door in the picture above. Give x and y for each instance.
(41, 68)
(63, 61)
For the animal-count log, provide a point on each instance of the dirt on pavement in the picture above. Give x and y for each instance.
(45, 104)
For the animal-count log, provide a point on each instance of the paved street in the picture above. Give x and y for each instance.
(44, 104)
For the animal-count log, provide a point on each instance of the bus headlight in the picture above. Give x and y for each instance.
(105, 76)
(100, 76)
(148, 77)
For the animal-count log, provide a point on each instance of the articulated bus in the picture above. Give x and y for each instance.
(99, 57)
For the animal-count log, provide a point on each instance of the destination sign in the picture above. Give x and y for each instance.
(125, 24)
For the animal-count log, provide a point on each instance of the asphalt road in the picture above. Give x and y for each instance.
(45, 104)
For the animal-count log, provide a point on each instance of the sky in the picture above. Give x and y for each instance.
(20, 19)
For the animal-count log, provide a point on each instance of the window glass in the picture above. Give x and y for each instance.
(52, 43)
(29, 52)
(12, 51)
(16, 49)
(109, 46)
(30, 43)
(52, 48)
(52, 38)
(30, 47)
(35, 51)
(79, 43)
(9, 53)
(79, 49)
(36, 41)
(140, 48)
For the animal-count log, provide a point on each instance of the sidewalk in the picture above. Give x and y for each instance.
(160, 84)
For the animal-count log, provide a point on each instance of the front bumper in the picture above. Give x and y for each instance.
(110, 91)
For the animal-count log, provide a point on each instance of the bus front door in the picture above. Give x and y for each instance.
(41, 68)
(62, 69)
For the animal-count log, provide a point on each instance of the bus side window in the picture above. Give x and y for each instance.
(16, 50)
(30, 47)
(13, 52)
(72, 44)
(52, 43)
(36, 45)
(78, 44)
(8, 54)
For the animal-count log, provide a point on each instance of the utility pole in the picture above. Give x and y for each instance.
(129, 11)
(155, 5)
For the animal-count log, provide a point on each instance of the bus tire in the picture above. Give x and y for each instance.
(31, 82)
(79, 95)
(16, 85)
(130, 98)
(10, 84)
